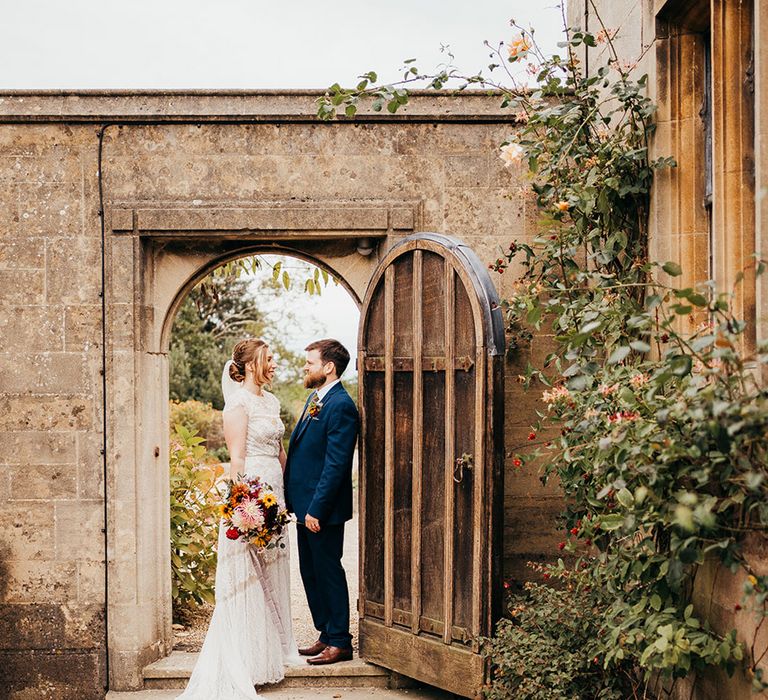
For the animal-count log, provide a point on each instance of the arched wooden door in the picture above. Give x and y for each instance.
(431, 463)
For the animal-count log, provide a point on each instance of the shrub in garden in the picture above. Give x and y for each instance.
(205, 419)
(195, 504)
(544, 650)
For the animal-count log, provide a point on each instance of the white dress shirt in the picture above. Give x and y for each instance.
(325, 389)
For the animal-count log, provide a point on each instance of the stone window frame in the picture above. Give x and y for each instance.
(721, 247)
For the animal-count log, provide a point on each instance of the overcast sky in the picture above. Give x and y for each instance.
(50, 44)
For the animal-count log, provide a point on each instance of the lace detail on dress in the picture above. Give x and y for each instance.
(265, 429)
(243, 648)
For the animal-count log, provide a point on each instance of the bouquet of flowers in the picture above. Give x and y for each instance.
(253, 514)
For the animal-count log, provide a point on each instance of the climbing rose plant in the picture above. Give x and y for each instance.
(653, 420)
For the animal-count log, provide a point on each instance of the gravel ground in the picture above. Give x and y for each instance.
(190, 636)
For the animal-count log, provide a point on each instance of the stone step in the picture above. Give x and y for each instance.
(174, 671)
(278, 693)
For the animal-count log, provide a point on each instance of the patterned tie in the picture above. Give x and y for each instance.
(313, 397)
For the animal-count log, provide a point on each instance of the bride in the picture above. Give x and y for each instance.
(249, 640)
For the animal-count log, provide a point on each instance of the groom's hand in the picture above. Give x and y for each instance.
(312, 524)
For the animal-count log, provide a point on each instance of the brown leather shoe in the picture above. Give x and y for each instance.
(314, 650)
(330, 655)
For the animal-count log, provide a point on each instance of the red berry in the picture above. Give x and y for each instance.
(561, 545)
(531, 436)
(574, 531)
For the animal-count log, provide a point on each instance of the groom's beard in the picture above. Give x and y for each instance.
(313, 381)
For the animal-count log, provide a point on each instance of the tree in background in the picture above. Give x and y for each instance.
(226, 307)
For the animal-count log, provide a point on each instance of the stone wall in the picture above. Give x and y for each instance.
(265, 151)
(51, 500)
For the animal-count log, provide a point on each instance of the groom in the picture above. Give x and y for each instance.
(318, 487)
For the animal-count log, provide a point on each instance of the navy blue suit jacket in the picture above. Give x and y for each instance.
(318, 474)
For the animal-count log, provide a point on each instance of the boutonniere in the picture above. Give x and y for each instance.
(314, 408)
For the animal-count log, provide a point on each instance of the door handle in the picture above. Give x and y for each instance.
(466, 461)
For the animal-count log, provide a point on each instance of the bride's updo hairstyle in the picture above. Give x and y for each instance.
(246, 352)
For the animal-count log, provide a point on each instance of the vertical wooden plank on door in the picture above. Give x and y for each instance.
(389, 446)
(433, 534)
(481, 516)
(450, 409)
(403, 439)
(465, 534)
(372, 458)
(418, 423)
(361, 584)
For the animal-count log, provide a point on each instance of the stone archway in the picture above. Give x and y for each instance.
(151, 271)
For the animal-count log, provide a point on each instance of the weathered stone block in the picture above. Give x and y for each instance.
(26, 531)
(50, 372)
(84, 624)
(50, 210)
(447, 138)
(53, 675)
(51, 626)
(25, 626)
(494, 212)
(79, 530)
(45, 413)
(82, 327)
(43, 482)
(26, 254)
(91, 584)
(121, 326)
(467, 171)
(70, 267)
(33, 447)
(57, 166)
(22, 286)
(37, 581)
(31, 329)
(90, 466)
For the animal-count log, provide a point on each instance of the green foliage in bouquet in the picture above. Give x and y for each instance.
(195, 502)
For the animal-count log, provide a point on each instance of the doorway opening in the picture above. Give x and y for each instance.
(288, 301)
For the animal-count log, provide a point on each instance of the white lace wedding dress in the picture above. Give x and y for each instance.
(249, 641)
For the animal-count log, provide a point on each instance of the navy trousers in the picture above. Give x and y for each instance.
(325, 582)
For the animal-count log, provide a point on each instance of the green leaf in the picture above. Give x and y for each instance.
(672, 269)
(612, 521)
(640, 346)
(684, 517)
(681, 365)
(618, 355)
(624, 496)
